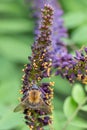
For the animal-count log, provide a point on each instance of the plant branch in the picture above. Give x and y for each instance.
(74, 114)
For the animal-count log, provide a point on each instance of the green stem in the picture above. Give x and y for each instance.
(74, 114)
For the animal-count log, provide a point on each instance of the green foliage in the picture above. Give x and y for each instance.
(78, 94)
(9, 26)
(73, 105)
(76, 20)
(84, 108)
(8, 118)
(79, 123)
(16, 28)
(15, 40)
(15, 49)
(6, 68)
(70, 107)
(79, 35)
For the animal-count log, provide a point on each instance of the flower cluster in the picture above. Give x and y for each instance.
(59, 32)
(37, 96)
(73, 68)
(81, 65)
(48, 52)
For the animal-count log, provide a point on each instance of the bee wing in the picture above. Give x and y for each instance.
(19, 107)
(44, 106)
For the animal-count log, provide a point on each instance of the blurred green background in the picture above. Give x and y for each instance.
(16, 37)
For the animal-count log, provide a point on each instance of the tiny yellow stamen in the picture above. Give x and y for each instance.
(20, 91)
(52, 83)
(85, 80)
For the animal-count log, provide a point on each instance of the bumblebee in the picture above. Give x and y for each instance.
(33, 100)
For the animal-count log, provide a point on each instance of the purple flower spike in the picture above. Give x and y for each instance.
(65, 64)
(58, 30)
(37, 96)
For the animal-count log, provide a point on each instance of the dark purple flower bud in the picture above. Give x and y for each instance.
(85, 49)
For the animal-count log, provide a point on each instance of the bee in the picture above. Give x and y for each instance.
(34, 100)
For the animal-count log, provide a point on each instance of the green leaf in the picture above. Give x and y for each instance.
(24, 128)
(9, 91)
(74, 19)
(8, 119)
(56, 123)
(70, 107)
(58, 104)
(86, 88)
(6, 68)
(79, 122)
(74, 5)
(84, 108)
(9, 26)
(59, 121)
(78, 94)
(84, 2)
(13, 8)
(14, 49)
(80, 35)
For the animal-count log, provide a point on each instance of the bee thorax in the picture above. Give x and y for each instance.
(34, 96)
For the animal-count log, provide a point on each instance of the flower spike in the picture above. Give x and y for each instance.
(37, 96)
